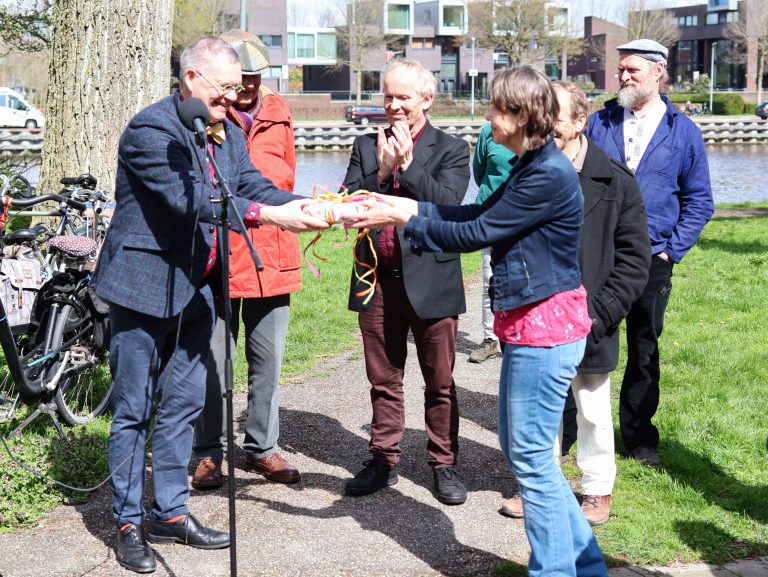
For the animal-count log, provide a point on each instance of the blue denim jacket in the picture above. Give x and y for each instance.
(673, 176)
(532, 223)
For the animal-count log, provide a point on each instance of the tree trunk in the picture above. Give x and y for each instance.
(108, 61)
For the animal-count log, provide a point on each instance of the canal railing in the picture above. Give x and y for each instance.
(341, 136)
(336, 136)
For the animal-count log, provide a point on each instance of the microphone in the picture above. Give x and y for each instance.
(195, 116)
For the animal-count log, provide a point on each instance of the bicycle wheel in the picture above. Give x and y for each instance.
(85, 393)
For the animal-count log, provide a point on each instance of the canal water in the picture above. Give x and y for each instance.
(737, 172)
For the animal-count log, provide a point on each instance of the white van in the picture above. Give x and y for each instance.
(17, 112)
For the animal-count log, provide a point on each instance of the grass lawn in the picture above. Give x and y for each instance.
(709, 503)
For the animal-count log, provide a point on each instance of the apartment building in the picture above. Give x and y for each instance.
(703, 48)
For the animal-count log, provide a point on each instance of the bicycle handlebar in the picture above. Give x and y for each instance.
(77, 205)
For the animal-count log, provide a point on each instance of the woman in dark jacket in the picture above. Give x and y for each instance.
(532, 224)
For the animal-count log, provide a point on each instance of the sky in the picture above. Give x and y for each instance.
(307, 10)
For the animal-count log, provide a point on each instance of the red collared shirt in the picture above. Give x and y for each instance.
(389, 253)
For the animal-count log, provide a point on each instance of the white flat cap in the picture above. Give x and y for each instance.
(645, 48)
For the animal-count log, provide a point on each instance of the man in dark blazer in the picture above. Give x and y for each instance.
(155, 271)
(421, 292)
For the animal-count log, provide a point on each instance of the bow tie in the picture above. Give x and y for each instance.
(216, 132)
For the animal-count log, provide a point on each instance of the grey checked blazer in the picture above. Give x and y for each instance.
(160, 237)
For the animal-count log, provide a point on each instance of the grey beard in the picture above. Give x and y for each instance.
(633, 97)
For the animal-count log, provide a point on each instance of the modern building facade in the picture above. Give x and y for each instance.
(703, 48)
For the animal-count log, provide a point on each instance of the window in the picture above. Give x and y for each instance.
(422, 43)
(273, 40)
(722, 17)
(273, 72)
(398, 17)
(2, 99)
(16, 104)
(453, 16)
(326, 45)
(305, 45)
(688, 21)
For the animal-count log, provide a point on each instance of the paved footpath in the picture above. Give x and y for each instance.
(312, 529)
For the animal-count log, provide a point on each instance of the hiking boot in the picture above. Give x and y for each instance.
(512, 507)
(449, 486)
(596, 508)
(374, 476)
(647, 456)
(486, 350)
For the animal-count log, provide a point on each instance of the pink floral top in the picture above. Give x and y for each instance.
(557, 320)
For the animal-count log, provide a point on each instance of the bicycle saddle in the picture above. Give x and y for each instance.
(77, 246)
(24, 234)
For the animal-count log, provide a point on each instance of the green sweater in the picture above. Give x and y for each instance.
(491, 164)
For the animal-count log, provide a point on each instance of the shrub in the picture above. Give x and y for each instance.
(722, 103)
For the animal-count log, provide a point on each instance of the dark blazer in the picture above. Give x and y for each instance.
(439, 173)
(160, 236)
(615, 253)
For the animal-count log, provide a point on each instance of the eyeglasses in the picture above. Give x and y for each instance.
(222, 88)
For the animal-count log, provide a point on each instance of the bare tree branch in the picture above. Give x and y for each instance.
(25, 28)
(750, 32)
(362, 35)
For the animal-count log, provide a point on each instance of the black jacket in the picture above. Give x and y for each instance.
(615, 253)
(439, 173)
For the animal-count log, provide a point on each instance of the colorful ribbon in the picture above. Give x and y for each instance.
(368, 278)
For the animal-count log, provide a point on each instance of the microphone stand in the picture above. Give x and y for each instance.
(223, 235)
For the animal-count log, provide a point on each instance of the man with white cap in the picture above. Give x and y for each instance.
(665, 151)
(262, 298)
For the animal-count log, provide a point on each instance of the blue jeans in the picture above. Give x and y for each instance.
(534, 383)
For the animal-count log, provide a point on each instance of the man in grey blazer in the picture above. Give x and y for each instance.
(420, 292)
(155, 270)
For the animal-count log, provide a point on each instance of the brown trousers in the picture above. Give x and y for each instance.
(384, 327)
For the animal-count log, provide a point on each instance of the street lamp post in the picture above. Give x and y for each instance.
(472, 83)
(243, 15)
(713, 71)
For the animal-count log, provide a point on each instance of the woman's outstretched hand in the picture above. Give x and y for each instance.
(382, 210)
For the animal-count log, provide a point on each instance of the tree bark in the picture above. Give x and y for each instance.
(108, 61)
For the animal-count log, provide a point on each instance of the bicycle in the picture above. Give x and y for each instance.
(54, 337)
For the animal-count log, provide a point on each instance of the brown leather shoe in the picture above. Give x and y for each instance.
(596, 508)
(512, 507)
(208, 474)
(274, 468)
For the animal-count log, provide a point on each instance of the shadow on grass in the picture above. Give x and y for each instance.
(748, 247)
(717, 486)
(714, 544)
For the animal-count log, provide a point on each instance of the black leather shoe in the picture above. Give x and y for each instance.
(132, 550)
(449, 486)
(647, 456)
(187, 531)
(374, 476)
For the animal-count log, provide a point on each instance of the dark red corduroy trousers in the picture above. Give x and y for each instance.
(384, 327)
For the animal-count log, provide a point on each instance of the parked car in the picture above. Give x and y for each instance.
(17, 112)
(762, 110)
(365, 114)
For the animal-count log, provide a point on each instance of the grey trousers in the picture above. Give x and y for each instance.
(266, 327)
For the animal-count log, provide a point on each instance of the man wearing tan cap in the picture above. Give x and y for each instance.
(665, 151)
(261, 297)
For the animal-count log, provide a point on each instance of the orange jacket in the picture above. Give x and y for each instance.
(271, 148)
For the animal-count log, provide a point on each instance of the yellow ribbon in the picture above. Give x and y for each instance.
(368, 278)
(216, 132)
